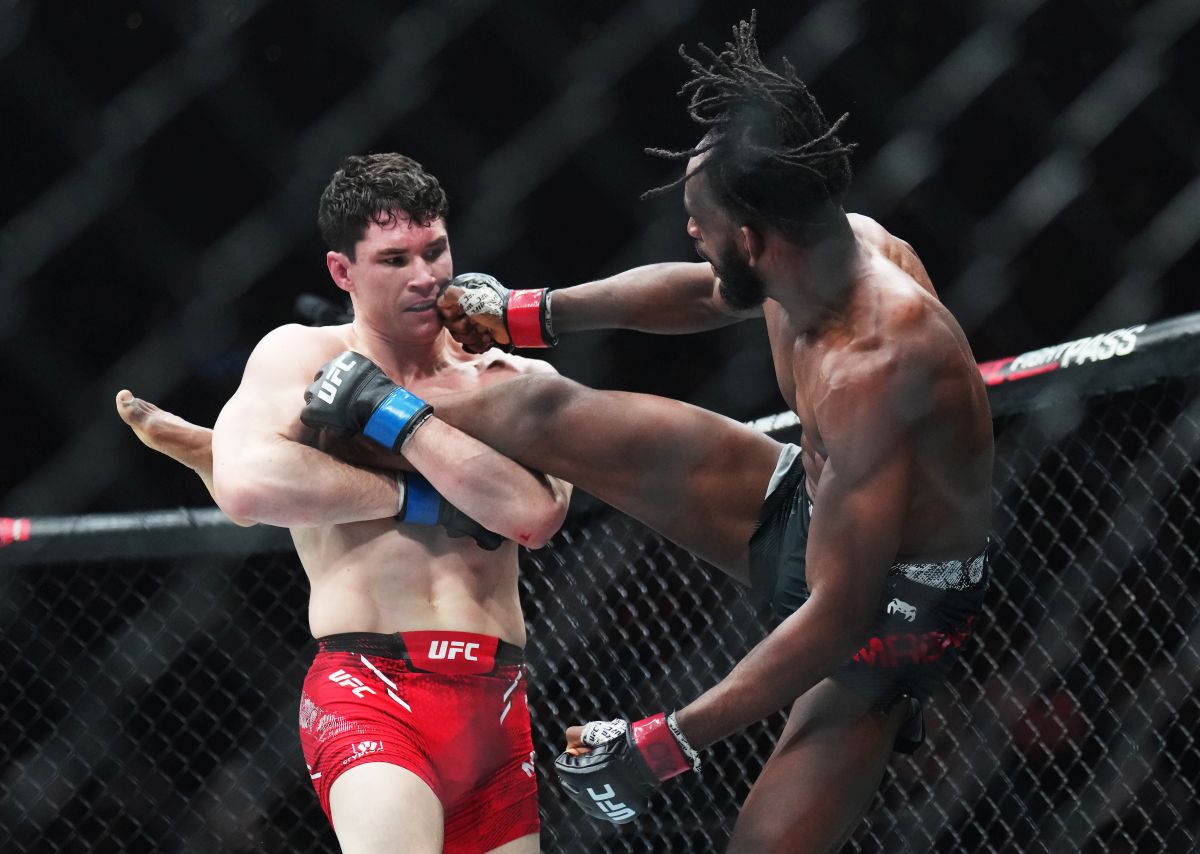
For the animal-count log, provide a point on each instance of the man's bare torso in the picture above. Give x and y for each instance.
(383, 576)
(894, 314)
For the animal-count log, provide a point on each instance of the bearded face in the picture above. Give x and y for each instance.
(740, 287)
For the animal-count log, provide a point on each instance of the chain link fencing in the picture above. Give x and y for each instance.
(152, 681)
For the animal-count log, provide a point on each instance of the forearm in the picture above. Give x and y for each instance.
(291, 485)
(802, 651)
(670, 298)
(498, 493)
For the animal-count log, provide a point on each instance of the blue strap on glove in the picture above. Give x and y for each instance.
(424, 505)
(350, 394)
(393, 417)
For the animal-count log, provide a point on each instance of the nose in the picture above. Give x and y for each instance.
(693, 230)
(423, 276)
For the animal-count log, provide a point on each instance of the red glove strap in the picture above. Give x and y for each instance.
(523, 317)
(659, 748)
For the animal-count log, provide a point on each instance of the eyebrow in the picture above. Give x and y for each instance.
(391, 251)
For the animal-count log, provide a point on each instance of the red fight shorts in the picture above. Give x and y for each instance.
(448, 706)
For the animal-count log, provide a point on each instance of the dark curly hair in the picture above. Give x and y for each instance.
(772, 157)
(375, 188)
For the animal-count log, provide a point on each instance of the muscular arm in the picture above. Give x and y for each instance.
(670, 298)
(263, 468)
(265, 471)
(854, 536)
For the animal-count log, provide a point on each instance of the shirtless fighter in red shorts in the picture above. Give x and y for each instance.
(412, 717)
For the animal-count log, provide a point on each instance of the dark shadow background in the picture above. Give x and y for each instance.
(165, 159)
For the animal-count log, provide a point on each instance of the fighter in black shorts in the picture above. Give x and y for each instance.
(926, 613)
(877, 585)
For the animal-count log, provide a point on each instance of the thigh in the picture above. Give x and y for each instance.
(378, 807)
(820, 779)
(525, 845)
(694, 476)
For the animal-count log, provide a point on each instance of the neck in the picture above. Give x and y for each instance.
(817, 284)
(403, 359)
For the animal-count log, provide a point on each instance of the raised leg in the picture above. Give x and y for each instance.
(696, 477)
(815, 788)
(167, 433)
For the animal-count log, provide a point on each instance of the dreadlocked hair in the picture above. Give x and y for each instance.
(771, 156)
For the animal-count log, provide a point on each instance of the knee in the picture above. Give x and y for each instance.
(547, 394)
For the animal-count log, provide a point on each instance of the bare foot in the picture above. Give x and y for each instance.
(167, 433)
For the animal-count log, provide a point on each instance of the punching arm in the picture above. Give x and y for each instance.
(670, 298)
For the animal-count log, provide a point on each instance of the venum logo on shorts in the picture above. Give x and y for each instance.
(352, 682)
(361, 749)
(905, 610)
(449, 650)
(907, 648)
(615, 810)
(333, 379)
(530, 767)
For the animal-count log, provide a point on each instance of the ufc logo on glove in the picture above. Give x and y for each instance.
(616, 812)
(333, 379)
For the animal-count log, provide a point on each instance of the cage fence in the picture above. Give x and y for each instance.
(152, 662)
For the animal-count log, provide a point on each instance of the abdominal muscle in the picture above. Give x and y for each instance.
(381, 576)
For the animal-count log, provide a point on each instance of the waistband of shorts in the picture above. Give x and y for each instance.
(956, 574)
(395, 645)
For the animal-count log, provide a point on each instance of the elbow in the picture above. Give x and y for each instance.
(540, 525)
(235, 500)
(242, 499)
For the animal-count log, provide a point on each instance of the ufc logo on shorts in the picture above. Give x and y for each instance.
(604, 800)
(904, 609)
(352, 682)
(449, 650)
(333, 379)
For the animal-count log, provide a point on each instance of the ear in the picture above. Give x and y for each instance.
(339, 270)
(753, 245)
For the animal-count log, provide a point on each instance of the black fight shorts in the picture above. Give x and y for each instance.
(926, 613)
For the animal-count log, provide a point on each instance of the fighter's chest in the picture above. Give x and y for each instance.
(466, 376)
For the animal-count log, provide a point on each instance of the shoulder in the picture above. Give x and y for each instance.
(870, 231)
(299, 335)
(887, 368)
(296, 349)
(897, 251)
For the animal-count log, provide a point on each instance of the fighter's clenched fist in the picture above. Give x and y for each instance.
(480, 313)
(350, 394)
(610, 767)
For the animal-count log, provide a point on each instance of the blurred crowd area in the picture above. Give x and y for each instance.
(166, 159)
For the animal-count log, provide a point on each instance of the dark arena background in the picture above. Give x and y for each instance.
(158, 217)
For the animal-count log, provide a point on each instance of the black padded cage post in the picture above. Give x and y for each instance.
(152, 662)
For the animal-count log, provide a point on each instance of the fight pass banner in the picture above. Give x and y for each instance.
(1111, 361)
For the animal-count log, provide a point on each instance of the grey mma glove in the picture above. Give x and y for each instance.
(480, 312)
